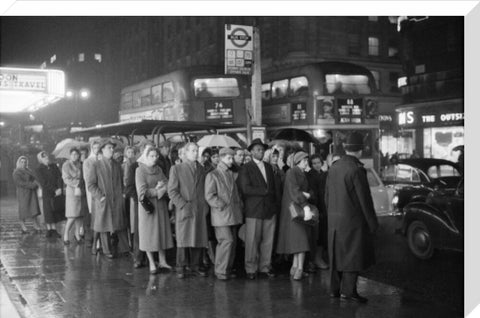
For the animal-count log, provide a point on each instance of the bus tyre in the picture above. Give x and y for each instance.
(419, 240)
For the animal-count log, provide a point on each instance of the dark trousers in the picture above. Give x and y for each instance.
(343, 282)
(225, 252)
(120, 243)
(138, 255)
(312, 233)
(189, 256)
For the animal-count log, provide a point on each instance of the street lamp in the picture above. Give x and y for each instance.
(77, 95)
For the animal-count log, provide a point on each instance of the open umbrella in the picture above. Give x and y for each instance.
(294, 134)
(217, 141)
(62, 150)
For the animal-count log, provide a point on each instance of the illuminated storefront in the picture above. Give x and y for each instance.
(433, 129)
(27, 90)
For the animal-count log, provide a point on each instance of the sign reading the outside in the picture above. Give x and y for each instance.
(430, 118)
(238, 49)
(219, 111)
(299, 112)
(350, 111)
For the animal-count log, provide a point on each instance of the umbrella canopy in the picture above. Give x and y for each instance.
(294, 134)
(217, 141)
(62, 150)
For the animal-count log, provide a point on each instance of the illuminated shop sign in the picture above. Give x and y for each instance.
(410, 118)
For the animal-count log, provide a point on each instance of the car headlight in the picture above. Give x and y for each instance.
(395, 201)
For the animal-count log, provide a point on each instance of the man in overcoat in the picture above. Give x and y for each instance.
(262, 203)
(222, 195)
(351, 221)
(105, 183)
(186, 189)
(87, 167)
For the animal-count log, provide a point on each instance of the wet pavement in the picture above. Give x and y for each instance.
(47, 279)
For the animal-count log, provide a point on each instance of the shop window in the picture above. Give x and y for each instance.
(299, 86)
(216, 87)
(279, 88)
(167, 91)
(373, 46)
(266, 91)
(98, 57)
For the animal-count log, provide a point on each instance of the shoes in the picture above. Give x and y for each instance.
(292, 271)
(222, 276)
(200, 272)
(311, 268)
(356, 298)
(335, 294)
(154, 271)
(232, 275)
(137, 264)
(251, 276)
(67, 242)
(298, 274)
(322, 264)
(269, 274)
(180, 272)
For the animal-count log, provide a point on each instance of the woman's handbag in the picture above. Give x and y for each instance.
(297, 214)
(147, 205)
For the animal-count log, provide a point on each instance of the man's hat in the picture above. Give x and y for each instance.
(257, 141)
(354, 142)
(107, 141)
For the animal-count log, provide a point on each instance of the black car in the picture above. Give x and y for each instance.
(436, 223)
(414, 179)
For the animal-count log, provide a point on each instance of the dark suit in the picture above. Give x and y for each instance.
(262, 201)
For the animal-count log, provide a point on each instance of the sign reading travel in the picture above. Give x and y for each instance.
(23, 80)
(350, 111)
(238, 49)
(219, 111)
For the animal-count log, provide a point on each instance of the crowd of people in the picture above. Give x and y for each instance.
(212, 205)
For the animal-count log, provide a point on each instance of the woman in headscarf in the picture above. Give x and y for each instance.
(293, 237)
(27, 185)
(50, 179)
(153, 227)
(76, 200)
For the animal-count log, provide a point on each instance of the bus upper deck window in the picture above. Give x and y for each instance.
(279, 88)
(266, 91)
(299, 86)
(167, 91)
(216, 87)
(347, 84)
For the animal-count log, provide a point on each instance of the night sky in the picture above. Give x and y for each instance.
(28, 41)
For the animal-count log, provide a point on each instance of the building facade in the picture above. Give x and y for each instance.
(431, 116)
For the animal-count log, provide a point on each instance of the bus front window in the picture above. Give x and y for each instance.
(216, 87)
(347, 84)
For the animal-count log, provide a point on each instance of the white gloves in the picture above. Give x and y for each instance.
(308, 213)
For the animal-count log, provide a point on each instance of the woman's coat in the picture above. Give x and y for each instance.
(26, 193)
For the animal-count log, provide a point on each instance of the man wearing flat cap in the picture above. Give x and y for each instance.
(352, 221)
(222, 195)
(164, 160)
(261, 194)
(105, 183)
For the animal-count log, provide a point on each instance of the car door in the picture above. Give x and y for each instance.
(381, 195)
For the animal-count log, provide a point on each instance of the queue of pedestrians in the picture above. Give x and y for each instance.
(212, 207)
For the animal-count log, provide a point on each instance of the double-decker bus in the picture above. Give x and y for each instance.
(327, 99)
(195, 94)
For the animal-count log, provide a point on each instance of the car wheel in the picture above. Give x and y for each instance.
(419, 240)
